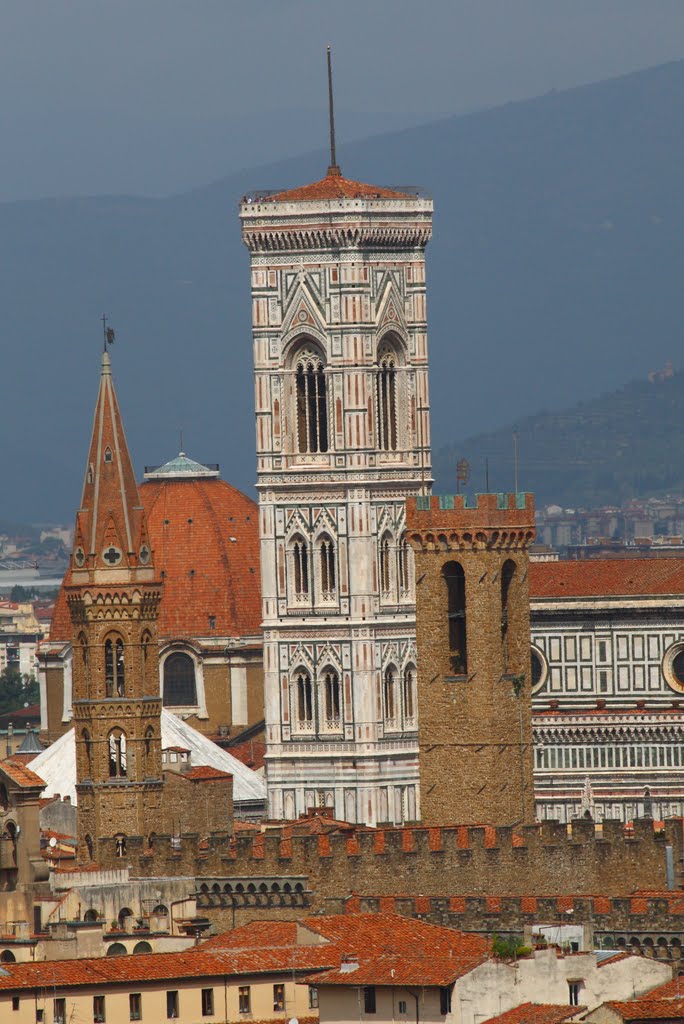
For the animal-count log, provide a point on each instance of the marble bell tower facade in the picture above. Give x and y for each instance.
(343, 437)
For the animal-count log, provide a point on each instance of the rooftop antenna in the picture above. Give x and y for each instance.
(333, 168)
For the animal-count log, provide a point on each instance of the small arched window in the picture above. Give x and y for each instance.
(386, 566)
(108, 457)
(507, 574)
(387, 399)
(115, 669)
(7, 957)
(117, 754)
(91, 853)
(326, 550)
(454, 577)
(4, 797)
(88, 747)
(312, 405)
(91, 914)
(180, 689)
(300, 568)
(331, 698)
(390, 696)
(404, 568)
(304, 696)
(409, 694)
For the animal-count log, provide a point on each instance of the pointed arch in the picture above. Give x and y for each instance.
(408, 694)
(115, 666)
(310, 397)
(330, 699)
(88, 748)
(387, 398)
(507, 577)
(299, 561)
(454, 579)
(385, 565)
(327, 567)
(303, 700)
(390, 700)
(405, 569)
(180, 687)
(117, 754)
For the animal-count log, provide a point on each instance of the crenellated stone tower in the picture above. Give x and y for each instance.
(342, 425)
(473, 631)
(113, 596)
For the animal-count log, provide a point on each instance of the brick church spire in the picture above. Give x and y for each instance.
(110, 535)
(113, 597)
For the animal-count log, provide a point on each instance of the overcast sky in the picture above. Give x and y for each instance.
(158, 95)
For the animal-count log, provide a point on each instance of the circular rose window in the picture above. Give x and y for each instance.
(539, 668)
(673, 667)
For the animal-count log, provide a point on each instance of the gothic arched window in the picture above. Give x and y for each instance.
(304, 697)
(117, 754)
(454, 577)
(390, 695)
(404, 563)
(180, 689)
(312, 403)
(386, 566)
(87, 745)
(326, 550)
(409, 694)
(115, 670)
(300, 567)
(507, 574)
(387, 399)
(331, 698)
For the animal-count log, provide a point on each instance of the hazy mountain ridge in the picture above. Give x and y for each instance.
(627, 444)
(554, 272)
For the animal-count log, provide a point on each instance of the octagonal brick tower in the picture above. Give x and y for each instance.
(342, 424)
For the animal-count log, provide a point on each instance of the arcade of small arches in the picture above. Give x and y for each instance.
(311, 406)
(312, 570)
(267, 892)
(657, 947)
(316, 708)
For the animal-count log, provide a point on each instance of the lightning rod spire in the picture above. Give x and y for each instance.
(333, 168)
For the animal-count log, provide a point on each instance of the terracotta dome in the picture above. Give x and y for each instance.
(205, 539)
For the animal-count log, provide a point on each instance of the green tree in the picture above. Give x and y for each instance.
(17, 690)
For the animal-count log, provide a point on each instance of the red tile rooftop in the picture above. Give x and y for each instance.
(614, 577)
(22, 775)
(649, 1008)
(537, 1013)
(335, 186)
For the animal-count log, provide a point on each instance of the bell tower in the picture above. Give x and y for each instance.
(342, 425)
(113, 597)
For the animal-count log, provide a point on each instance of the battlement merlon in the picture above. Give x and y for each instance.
(454, 521)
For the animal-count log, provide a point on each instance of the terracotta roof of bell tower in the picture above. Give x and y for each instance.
(335, 186)
(109, 523)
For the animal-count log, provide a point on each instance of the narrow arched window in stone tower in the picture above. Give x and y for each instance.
(87, 746)
(312, 404)
(115, 671)
(327, 568)
(409, 695)
(454, 577)
(331, 689)
(507, 574)
(117, 754)
(390, 696)
(385, 566)
(304, 701)
(387, 400)
(300, 567)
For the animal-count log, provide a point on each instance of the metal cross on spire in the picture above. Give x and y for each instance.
(108, 334)
(333, 168)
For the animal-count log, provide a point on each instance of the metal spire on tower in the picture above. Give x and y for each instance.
(333, 168)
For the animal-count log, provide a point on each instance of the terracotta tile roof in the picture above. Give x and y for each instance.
(22, 775)
(648, 1008)
(204, 536)
(204, 773)
(609, 577)
(391, 949)
(251, 752)
(673, 989)
(32, 712)
(194, 963)
(334, 186)
(537, 1013)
